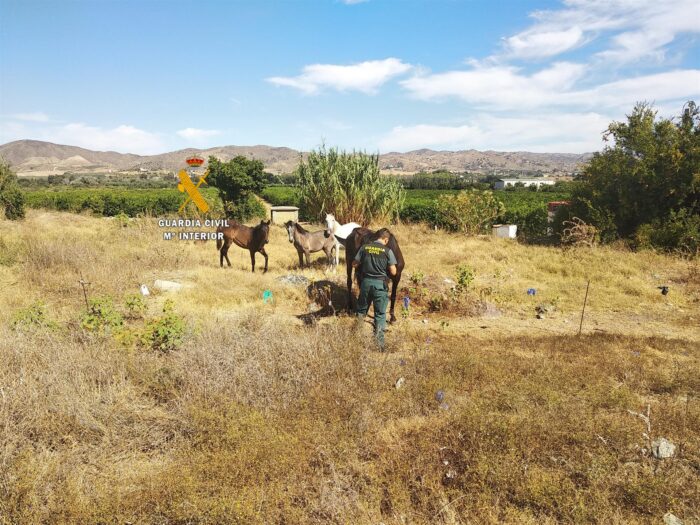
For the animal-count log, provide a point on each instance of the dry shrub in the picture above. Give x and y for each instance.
(578, 233)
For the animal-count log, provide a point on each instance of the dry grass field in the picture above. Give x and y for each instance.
(264, 413)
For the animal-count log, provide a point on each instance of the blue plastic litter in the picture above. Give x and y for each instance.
(531, 291)
(267, 296)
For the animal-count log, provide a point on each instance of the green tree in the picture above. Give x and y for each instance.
(11, 196)
(471, 212)
(648, 175)
(348, 185)
(237, 181)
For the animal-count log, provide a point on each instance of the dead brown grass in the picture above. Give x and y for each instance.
(259, 418)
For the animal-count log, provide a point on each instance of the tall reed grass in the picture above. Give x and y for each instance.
(348, 185)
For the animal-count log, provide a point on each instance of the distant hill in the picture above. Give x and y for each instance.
(34, 157)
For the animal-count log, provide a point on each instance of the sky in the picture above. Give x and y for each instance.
(151, 76)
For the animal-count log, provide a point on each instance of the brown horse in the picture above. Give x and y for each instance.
(355, 241)
(253, 239)
(307, 242)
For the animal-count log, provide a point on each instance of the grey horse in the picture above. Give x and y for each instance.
(307, 243)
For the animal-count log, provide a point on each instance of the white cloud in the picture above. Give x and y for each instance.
(198, 134)
(564, 132)
(124, 138)
(542, 43)
(36, 116)
(640, 29)
(501, 86)
(365, 77)
(505, 88)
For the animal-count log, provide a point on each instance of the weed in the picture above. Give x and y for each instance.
(32, 317)
(101, 315)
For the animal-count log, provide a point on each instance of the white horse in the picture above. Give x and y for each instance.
(340, 232)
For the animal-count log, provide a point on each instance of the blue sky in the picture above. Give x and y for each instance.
(152, 76)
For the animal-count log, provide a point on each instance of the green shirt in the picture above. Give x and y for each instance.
(374, 258)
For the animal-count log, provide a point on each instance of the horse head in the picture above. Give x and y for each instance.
(289, 226)
(264, 227)
(330, 225)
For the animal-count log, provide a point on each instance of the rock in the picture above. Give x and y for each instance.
(291, 278)
(167, 286)
(544, 309)
(399, 382)
(439, 396)
(448, 281)
(425, 321)
(662, 448)
(670, 519)
(490, 310)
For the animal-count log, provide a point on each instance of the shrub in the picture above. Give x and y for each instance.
(348, 185)
(469, 212)
(681, 232)
(135, 306)
(165, 333)
(31, 317)
(11, 196)
(101, 315)
(465, 277)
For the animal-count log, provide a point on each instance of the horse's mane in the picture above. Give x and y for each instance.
(300, 228)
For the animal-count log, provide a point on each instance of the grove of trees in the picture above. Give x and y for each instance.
(645, 185)
(237, 182)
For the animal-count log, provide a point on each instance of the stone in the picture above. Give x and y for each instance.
(291, 278)
(399, 382)
(670, 519)
(167, 286)
(544, 309)
(662, 448)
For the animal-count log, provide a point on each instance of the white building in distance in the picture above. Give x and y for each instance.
(502, 184)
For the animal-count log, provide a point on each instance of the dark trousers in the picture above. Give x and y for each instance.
(374, 291)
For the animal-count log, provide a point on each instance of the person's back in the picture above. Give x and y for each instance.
(375, 262)
(375, 259)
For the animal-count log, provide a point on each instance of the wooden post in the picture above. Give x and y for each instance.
(84, 284)
(585, 299)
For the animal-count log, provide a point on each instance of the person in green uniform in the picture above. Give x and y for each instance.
(376, 262)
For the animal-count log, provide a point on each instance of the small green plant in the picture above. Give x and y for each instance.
(101, 315)
(417, 277)
(135, 307)
(166, 333)
(465, 277)
(32, 317)
(436, 303)
(122, 220)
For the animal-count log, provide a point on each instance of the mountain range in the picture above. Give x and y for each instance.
(34, 157)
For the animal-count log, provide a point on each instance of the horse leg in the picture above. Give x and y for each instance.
(252, 260)
(394, 286)
(307, 254)
(300, 253)
(262, 250)
(349, 270)
(224, 253)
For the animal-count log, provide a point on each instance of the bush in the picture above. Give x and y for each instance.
(165, 333)
(11, 196)
(348, 185)
(469, 212)
(101, 315)
(31, 317)
(681, 232)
